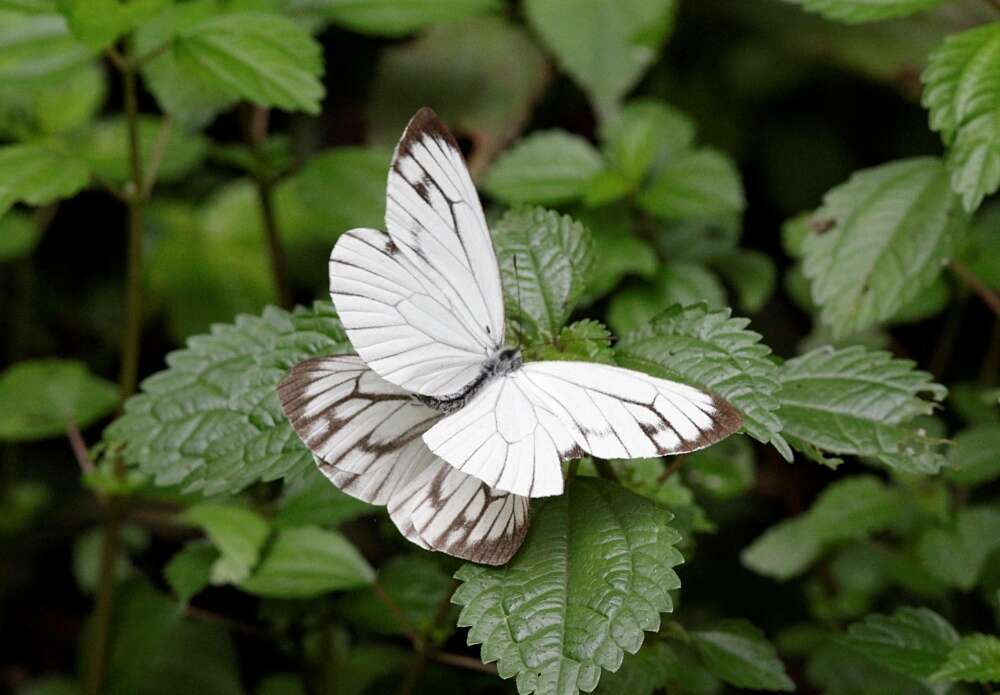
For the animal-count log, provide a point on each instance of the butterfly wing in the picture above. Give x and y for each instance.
(423, 305)
(513, 434)
(365, 435)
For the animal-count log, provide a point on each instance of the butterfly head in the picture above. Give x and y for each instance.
(509, 359)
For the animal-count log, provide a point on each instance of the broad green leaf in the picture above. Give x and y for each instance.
(974, 458)
(29, 6)
(315, 501)
(912, 641)
(105, 148)
(38, 173)
(547, 168)
(343, 188)
(839, 670)
(394, 18)
(645, 477)
(620, 251)
(855, 401)
(99, 23)
(415, 583)
(641, 673)
(752, 274)
(738, 653)
(975, 404)
(982, 252)
(537, 615)
(18, 236)
(976, 659)
(218, 397)
(605, 47)
(52, 106)
(961, 93)
(711, 350)
(858, 11)
(878, 240)
(264, 58)
(930, 301)
(35, 49)
(237, 532)
(850, 508)
(307, 561)
(724, 470)
(646, 136)
(698, 184)
(585, 340)
(544, 260)
(677, 282)
(957, 554)
(190, 569)
(39, 398)
(447, 68)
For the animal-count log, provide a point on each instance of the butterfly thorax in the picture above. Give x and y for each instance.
(502, 362)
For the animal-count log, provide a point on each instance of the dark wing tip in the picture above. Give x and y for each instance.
(728, 418)
(425, 122)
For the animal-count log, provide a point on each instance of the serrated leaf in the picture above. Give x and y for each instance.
(696, 185)
(641, 673)
(678, 282)
(546, 168)
(714, 351)
(39, 398)
(912, 641)
(645, 137)
(218, 398)
(878, 240)
(37, 48)
(851, 508)
(974, 458)
(738, 653)
(552, 255)
(314, 500)
(855, 401)
(957, 554)
(391, 18)
(307, 561)
(605, 47)
(237, 532)
(859, 11)
(104, 146)
(976, 659)
(264, 58)
(190, 569)
(537, 615)
(961, 93)
(99, 23)
(586, 340)
(38, 173)
(752, 274)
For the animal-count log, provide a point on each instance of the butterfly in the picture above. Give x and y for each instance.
(436, 417)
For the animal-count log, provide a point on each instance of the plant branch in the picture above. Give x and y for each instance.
(133, 292)
(674, 466)
(104, 611)
(257, 134)
(467, 662)
(404, 622)
(159, 149)
(79, 448)
(988, 296)
(427, 650)
(604, 469)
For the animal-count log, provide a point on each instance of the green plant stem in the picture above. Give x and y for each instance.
(989, 297)
(264, 183)
(103, 612)
(79, 448)
(674, 466)
(404, 622)
(467, 662)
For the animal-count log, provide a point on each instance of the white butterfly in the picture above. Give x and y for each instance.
(436, 418)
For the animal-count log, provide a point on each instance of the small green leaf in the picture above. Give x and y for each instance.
(641, 673)
(106, 150)
(957, 554)
(21, 505)
(315, 501)
(190, 569)
(388, 18)
(677, 282)
(538, 615)
(710, 349)
(38, 48)
(53, 106)
(752, 274)
(698, 184)
(307, 561)
(547, 168)
(99, 23)
(930, 301)
(264, 58)
(858, 11)
(976, 659)
(961, 93)
(586, 340)
(913, 641)
(38, 173)
(855, 401)
(878, 240)
(343, 188)
(18, 236)
(739, 653)
(646, 136)
(39, 398)
(974, 458)
(622, 253)
(239, 534)
(544, 260)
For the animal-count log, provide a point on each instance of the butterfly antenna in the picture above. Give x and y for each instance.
(517, 291)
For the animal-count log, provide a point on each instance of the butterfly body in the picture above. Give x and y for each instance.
(500, 364)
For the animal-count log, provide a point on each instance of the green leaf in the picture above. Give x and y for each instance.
(622, 253)
(913, 641)
(307, 561)
(415, 583)
(344, 188)
(957, 554)
(89, 547)
(850, 508)
(840, 670)
(544, 618)
(315, 501)
(976, 659)
(106, 150)
(54, 105)
(752, 274)
(190, 569)
(544, 260)
(586, 340)
(21, 505)
(605, 47)
(39, 173)
(39, 398)
(38, 48)
(855, 401)
(974, 458)
(878, 240)
(547, 168)
(739, 653)
(858, 11)
(237, 532)
(677, 282)
(723, 470)
(982, 252)
(641, 673)
(264, 58)
(931, 300)
(391, 18)
(711, 350)
(698, 184)
(49, 685)
(961, 93)
(219, 398)
(99, 23)
(18, 236)
(646, 136)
